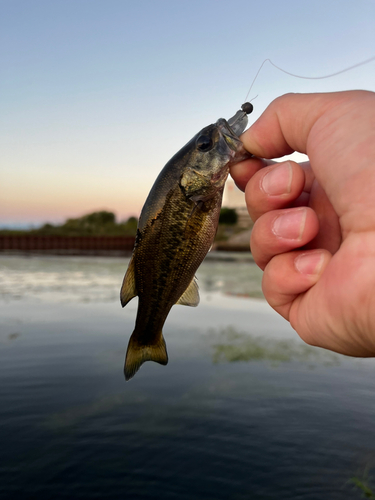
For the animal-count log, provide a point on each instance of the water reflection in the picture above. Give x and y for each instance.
(237, 276)
(237, 413)
(231, 345)
(75, 415)
(79, 279)
(64, 279)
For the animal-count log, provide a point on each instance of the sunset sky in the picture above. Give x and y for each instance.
(96, 96)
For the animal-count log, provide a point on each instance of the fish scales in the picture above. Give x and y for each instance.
(176, 229)
(176, 255)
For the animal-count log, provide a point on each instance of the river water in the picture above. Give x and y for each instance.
(244, 409)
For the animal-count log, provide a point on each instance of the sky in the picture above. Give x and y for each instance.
(96, 96)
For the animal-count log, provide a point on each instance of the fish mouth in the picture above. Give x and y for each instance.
(234, 127)
(230, 137)
(238, 122)
(230, 144)
(230, 132)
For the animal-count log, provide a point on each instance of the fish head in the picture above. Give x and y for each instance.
(213, 150)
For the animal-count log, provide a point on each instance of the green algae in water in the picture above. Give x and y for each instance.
(230, 345)
(363, 486)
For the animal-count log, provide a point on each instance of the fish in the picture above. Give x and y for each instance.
(176, 229)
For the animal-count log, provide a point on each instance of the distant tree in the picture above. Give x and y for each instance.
(132, 220)
(228, 216)
(129, 227)
(102, 222)
(47, 229)
(100, 218)
(132, 224)
(96, 223)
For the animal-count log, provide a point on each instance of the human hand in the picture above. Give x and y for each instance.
(314, 231)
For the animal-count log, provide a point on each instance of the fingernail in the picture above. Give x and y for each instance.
(290, 224)
(278, 180)
(309, 263)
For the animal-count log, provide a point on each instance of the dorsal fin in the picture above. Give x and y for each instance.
(128, 289)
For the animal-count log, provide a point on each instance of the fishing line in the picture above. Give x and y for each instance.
(307, 77)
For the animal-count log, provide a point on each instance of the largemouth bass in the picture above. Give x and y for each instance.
(175, 231)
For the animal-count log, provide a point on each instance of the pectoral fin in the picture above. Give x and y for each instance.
(128, 289)
(190, 297)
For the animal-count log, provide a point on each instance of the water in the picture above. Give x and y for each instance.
(244, 410)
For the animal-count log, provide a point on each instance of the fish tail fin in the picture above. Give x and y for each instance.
(138, 353)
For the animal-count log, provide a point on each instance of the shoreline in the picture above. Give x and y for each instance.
(214, 255)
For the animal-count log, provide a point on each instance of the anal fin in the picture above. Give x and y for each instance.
(190, 297)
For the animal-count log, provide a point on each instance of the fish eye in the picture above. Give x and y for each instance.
(204, 143)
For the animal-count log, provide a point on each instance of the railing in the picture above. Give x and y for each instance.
(66, 244)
